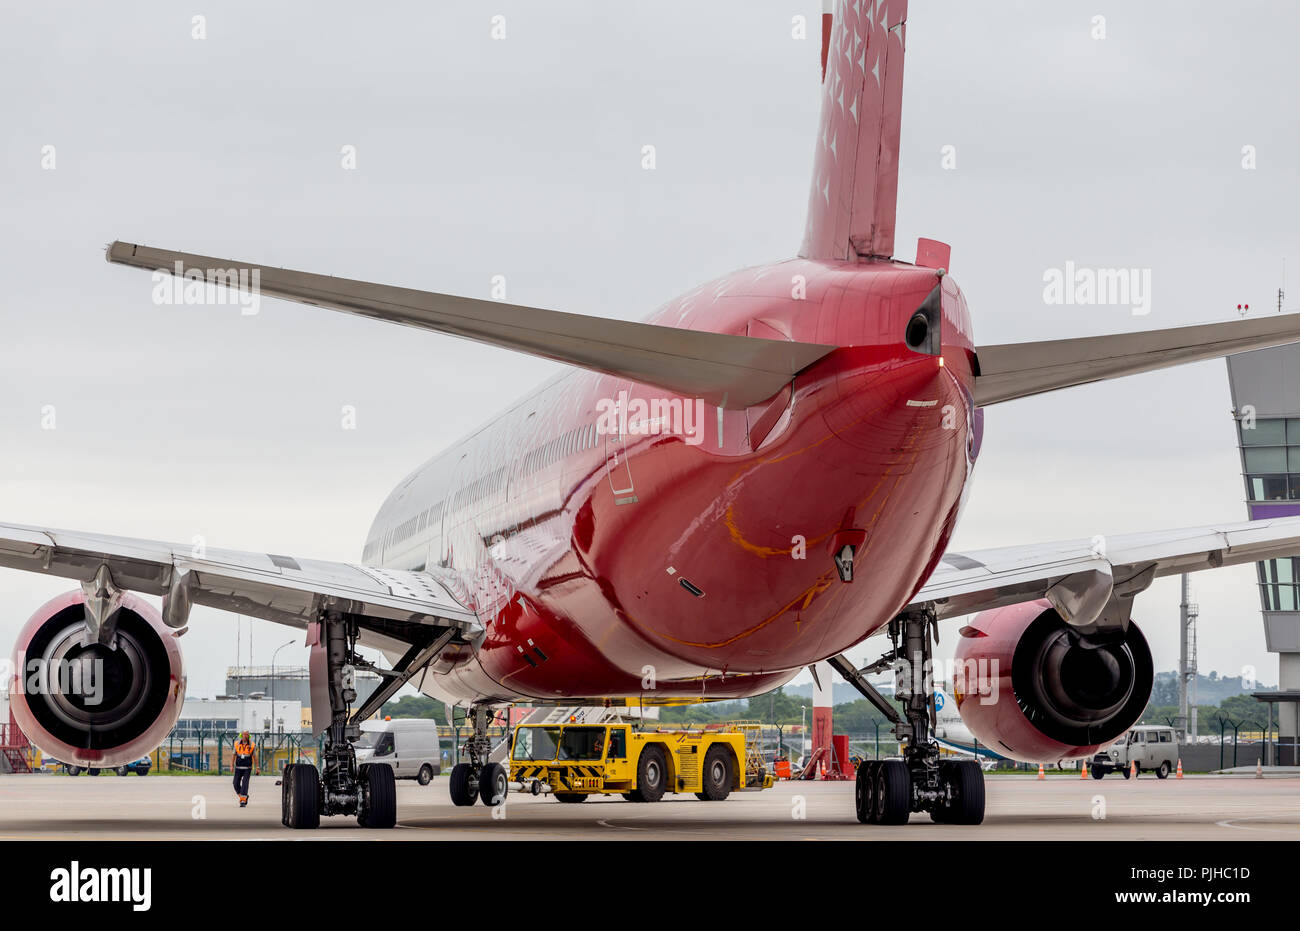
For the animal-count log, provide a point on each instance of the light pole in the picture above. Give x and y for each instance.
(273, 656)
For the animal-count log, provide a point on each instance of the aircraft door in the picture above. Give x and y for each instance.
(619, 469)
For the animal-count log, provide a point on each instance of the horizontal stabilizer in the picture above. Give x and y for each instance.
(1018, 370)
(727, 371)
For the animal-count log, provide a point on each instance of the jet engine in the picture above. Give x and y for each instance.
(91, 703)
(1033, 688)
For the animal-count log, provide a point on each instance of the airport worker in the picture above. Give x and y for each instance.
(243, 763)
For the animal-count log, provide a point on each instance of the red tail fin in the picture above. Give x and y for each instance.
(855, 170)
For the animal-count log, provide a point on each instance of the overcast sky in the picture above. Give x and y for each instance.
(522, 157)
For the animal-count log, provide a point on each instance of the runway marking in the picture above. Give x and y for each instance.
(622, 827)
(1228, 823)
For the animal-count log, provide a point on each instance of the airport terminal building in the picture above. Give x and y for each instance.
(1265, 387)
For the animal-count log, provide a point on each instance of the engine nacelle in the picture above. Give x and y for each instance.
(1031, 687)
(93, 705)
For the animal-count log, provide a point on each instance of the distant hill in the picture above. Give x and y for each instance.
(841, 692)
(1210, 689)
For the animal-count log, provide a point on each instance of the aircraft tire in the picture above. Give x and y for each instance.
(893, 801)
(864, 792)
(300, 797)
(380, 784)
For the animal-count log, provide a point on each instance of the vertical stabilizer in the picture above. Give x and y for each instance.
(854, 192)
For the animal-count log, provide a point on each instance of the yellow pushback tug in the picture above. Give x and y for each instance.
(573, 761)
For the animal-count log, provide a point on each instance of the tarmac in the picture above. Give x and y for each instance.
(54, 806)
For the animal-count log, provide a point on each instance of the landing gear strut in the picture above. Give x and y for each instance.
(479, 778)
(340, 786)
(888, 791)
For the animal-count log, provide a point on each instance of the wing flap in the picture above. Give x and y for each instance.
(277, 588)
(965, 583)
(1019, 370)
(728, 371)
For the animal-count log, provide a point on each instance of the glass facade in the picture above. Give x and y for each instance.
(1270, 453)
(1278, 584)
(202, 727)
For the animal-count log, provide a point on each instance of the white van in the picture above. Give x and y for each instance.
(409, 745)
(1150, 747)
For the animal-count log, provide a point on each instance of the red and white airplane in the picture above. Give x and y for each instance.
(762, 474)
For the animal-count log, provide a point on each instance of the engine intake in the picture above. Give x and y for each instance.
(1058, 694)
(84, 702)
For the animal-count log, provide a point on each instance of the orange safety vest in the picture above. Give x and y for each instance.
(246, 750)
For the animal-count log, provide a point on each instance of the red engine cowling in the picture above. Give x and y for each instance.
(1033, 688)
(93, 705)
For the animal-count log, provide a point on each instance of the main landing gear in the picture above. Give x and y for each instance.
(888, 791)
(479, 778)
(340, 786)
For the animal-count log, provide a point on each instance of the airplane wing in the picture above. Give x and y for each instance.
(390, 604)
(1019, 370)
(1072, 571)
(728, 371)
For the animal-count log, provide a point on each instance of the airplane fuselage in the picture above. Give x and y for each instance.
(679, 549)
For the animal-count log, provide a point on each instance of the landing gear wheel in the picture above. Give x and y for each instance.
(92, 772)
(940, 813)
(74, 770)
(571, 798)
(651, 775)
(379, 796)
(964, 782)
(425, 776)
(463, 791)
(864, 792)
(1163, 771)
(300, 796)
(286, 789)
(893, 802)
(493, 784)
(716, 778)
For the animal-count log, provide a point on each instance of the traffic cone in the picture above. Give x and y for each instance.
(1133, 768)
(1041, 774)
(1179, 774)
(1083, 770)
(1259, 768)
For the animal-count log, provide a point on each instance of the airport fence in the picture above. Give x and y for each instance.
(212, 753)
